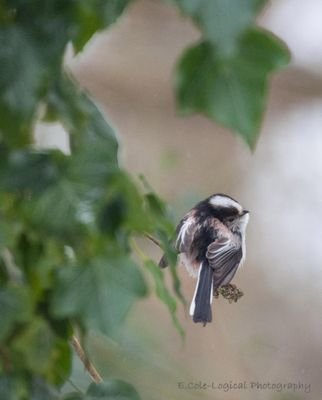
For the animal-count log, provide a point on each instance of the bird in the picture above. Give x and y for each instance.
(210, 242)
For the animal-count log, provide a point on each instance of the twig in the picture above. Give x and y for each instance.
(84, 359)
(153, 239)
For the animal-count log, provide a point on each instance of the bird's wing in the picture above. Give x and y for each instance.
(224, 257)
(186, 231)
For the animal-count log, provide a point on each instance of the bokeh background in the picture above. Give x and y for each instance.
(273, 334)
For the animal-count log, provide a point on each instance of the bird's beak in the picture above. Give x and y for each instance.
(245, 212)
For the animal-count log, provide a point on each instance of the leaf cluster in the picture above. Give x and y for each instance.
(66, 220)
(225, 75)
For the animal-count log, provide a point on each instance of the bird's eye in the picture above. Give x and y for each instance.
(230, 219)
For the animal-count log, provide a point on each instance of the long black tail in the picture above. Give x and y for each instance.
(200, 308)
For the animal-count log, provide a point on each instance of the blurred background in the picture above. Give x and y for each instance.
(273, 334)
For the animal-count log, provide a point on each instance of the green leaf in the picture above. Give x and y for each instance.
(163, 293)
(99, 294)
(57, 211)
(171, 256)
(259, 46)
(162, 220)
(124, 199)
(37, 259)
(74, 396)
(113, 215)
(28, 170)
(230, 91)
(95, 16)
(49, 22)
(17, 387)
(13, 387)
(40, 390)
(112, 389)
(20, 80)
(93, 142)
(155, 203)
(15, 307)
(60, 363)
(35, 346)
(222, 22)
(28, 68)
(38, 350)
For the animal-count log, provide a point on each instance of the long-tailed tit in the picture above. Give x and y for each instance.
(211, 245)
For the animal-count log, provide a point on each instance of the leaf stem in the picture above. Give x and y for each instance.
(90, 368)
(153, 239)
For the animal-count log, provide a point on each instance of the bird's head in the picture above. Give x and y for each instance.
(229, 211)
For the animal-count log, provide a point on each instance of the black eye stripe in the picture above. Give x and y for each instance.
(205, 210)
(228, 212)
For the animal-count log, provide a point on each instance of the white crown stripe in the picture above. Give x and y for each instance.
(222, 201)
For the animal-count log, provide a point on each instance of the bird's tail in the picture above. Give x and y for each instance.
(200, 308)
